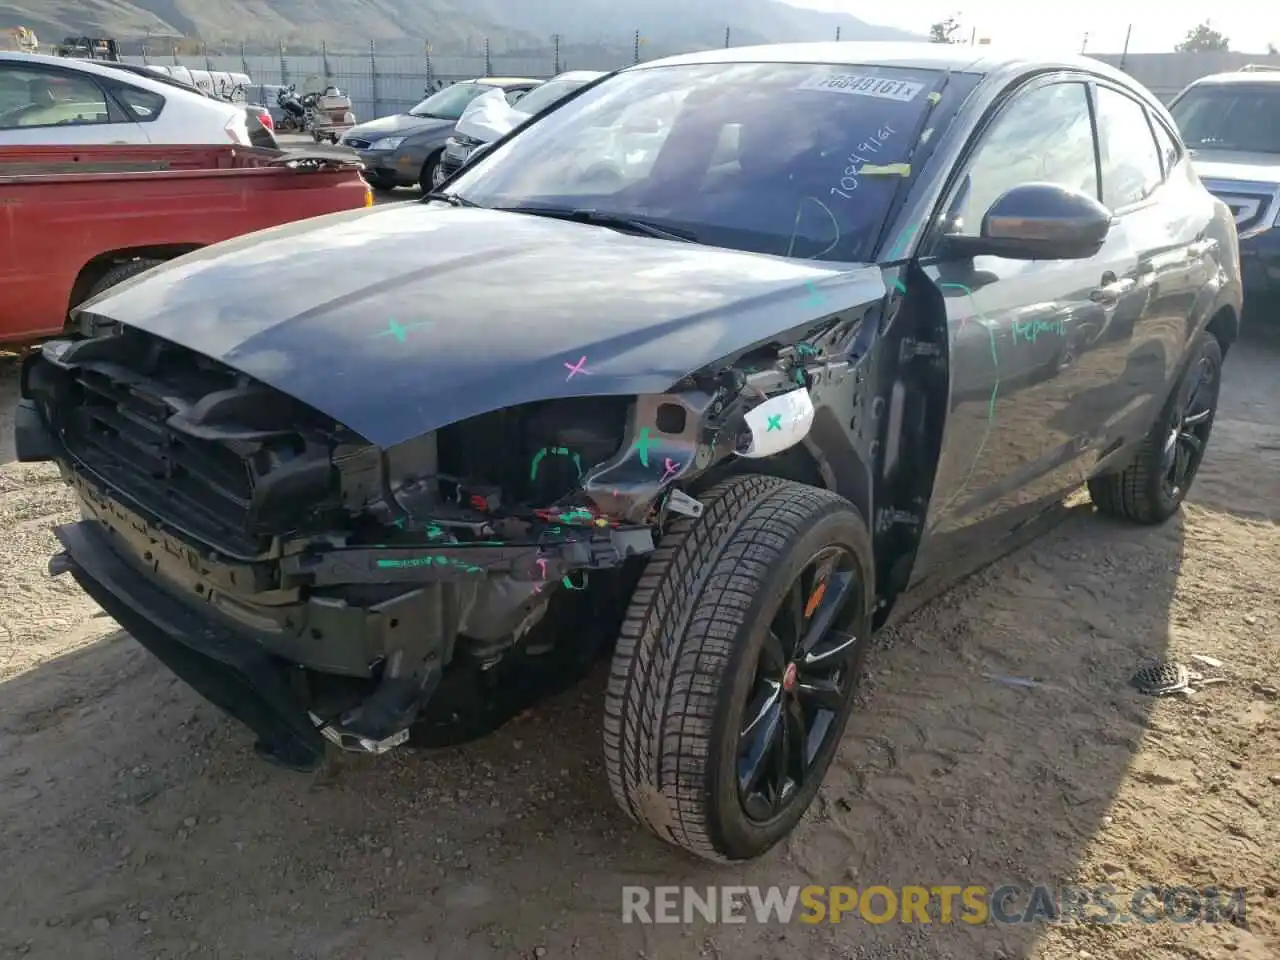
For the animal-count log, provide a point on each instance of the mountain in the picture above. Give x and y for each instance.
(665, 25)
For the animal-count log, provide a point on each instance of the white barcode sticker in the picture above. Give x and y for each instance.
(860, 85)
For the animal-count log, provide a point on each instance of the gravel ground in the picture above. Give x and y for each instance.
(137, 824)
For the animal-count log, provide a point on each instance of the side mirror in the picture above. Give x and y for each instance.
(1037, 221)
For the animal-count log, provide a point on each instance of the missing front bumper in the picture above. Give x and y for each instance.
(225, 668)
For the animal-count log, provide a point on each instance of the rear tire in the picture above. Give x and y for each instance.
(122, 272)
(696, 655)
(1152, 487)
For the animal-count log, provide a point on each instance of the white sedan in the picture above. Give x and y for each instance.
(55, 100)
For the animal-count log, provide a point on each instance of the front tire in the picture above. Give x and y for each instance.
(736, 666)
(122, 272)
(427, 178)
(1156, 481)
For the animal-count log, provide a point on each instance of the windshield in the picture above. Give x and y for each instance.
(798, 160)
(544, 96)
(448, 104)
(1230, 116)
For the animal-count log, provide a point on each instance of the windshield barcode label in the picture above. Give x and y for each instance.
(864, 86)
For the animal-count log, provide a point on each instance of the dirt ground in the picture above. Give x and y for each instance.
(135, 822)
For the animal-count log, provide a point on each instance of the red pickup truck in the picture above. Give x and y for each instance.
(76, 220)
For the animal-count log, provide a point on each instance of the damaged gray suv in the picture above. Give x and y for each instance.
(707, 401)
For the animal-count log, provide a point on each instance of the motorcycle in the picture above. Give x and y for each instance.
(294, 107)
(323, 115)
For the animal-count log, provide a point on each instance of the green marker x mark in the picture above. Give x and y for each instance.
(775, 422)
(399, 332)
(642, 444)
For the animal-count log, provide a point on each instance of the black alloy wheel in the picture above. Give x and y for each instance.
(807, 661)
(737, 665)
(1150, 488)
(1189, 435)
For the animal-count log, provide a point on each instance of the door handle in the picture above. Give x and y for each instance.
(1111, 289)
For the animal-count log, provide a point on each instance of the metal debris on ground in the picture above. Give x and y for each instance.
(1207, 660)
(1164, 677)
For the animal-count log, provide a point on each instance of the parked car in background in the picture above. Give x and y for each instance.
(405, 149)
(722, 399)
(471, 131)
(259, 120)
(81, 219)
(55, 100)
(1231, 123)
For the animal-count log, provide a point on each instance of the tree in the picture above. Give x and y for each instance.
(944, 31)
(1271, 50)
(1203, 39)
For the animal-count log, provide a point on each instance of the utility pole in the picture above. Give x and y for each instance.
(1084, 44)
(728, 31)
(635, 49)
(837, 34)
(555, 44)
(488, 63)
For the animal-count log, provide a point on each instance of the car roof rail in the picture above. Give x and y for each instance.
(1258, 67)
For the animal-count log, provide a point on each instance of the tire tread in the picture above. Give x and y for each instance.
(681, 629)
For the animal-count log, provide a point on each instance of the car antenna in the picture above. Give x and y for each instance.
(904, 183)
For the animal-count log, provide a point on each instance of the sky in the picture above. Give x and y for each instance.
(1157, 24)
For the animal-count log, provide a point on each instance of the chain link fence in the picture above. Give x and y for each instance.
(380, 84)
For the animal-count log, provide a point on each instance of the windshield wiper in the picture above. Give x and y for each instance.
(616, 221)
(452, 199)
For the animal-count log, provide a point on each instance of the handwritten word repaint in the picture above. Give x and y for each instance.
(856, 160)
(1029, 330)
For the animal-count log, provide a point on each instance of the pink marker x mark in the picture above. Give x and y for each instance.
(669, 469)
(542, 565)
(579, 367)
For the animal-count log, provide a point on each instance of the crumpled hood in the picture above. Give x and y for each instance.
(489, 117)
(402, 319)
(1237, 165)
(399, 125)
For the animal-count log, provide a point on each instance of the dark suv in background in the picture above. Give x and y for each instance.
(1231, 124)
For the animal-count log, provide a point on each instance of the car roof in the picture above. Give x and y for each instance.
(1239, 76)
(959, 58)
(583, 75)
(503, 81)
(145, 81)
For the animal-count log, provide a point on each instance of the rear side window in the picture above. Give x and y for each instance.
(1131, 168)
(143, 104)
(48, 98)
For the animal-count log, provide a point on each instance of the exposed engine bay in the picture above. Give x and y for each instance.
(474, 546)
